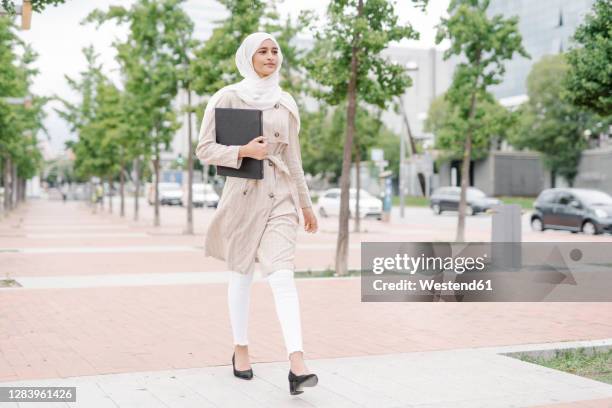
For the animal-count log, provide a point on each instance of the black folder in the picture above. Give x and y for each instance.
(239, 127)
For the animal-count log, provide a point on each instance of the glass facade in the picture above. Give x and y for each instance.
(546, 27)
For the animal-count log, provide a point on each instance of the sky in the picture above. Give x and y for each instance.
(58, 38)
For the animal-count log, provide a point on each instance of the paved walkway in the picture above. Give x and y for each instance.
(458, 378)
(138, 317)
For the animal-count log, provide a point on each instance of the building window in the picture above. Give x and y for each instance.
(560, 24)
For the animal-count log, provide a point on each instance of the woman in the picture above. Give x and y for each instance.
(257, 219)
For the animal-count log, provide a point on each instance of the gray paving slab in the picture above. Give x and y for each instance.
(136, 279)
(138, 248)
(474, 377)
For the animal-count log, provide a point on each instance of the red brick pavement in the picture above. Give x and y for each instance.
(55, 225)
(67, 332)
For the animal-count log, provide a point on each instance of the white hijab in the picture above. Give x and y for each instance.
(260, 93)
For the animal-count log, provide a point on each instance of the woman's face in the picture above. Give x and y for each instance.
(265, 58)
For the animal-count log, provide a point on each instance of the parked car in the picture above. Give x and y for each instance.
(447, 199)
(573, 209)
(203, 195)
(369, 206)
(169, 194)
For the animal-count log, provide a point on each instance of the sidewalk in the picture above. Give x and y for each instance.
(121, 325)
(456, 378)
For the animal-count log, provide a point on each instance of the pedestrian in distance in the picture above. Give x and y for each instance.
(256, 220)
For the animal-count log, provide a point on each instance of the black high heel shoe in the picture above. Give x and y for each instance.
(297, 382)
(244, 374)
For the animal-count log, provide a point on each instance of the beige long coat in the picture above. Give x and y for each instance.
(239, 221)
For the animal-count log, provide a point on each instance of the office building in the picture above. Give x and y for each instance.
(546, 27)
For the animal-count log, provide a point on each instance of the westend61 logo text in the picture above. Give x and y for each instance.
(485, 271)
(412, 264)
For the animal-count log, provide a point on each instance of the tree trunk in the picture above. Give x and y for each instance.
(6, 183)
(24, 190)
(17, 194)
(156, 166)
(136, 186)
(14, 184)
(110, 194)
(91, 197)
(103, 195)
(345, 179)
(467, 155)
(189, 227)
(357, 215)
(122, 188)
(465, 172)
(22, 184)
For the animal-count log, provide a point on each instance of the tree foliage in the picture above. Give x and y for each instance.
(491, 119)
(323, 139)
(368, 34)
(589, 79)
(152, 60)
(549, 122)
(484, 44)
(347, 64)
(19, 122)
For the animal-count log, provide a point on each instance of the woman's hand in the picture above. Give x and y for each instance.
(310, 220)
(257, 148)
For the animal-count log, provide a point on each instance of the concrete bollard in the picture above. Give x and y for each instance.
(506, 236)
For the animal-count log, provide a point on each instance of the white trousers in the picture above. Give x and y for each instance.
(286, 301)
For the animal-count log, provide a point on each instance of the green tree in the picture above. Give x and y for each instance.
(445, 122)
(347, 62)
(184, 44)
(484, 43)
(107, 130)
(589, 80)
(135, 112)
(99, 119)
(549, 122)
(152, 61)
(80, 115)
(21, 115)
